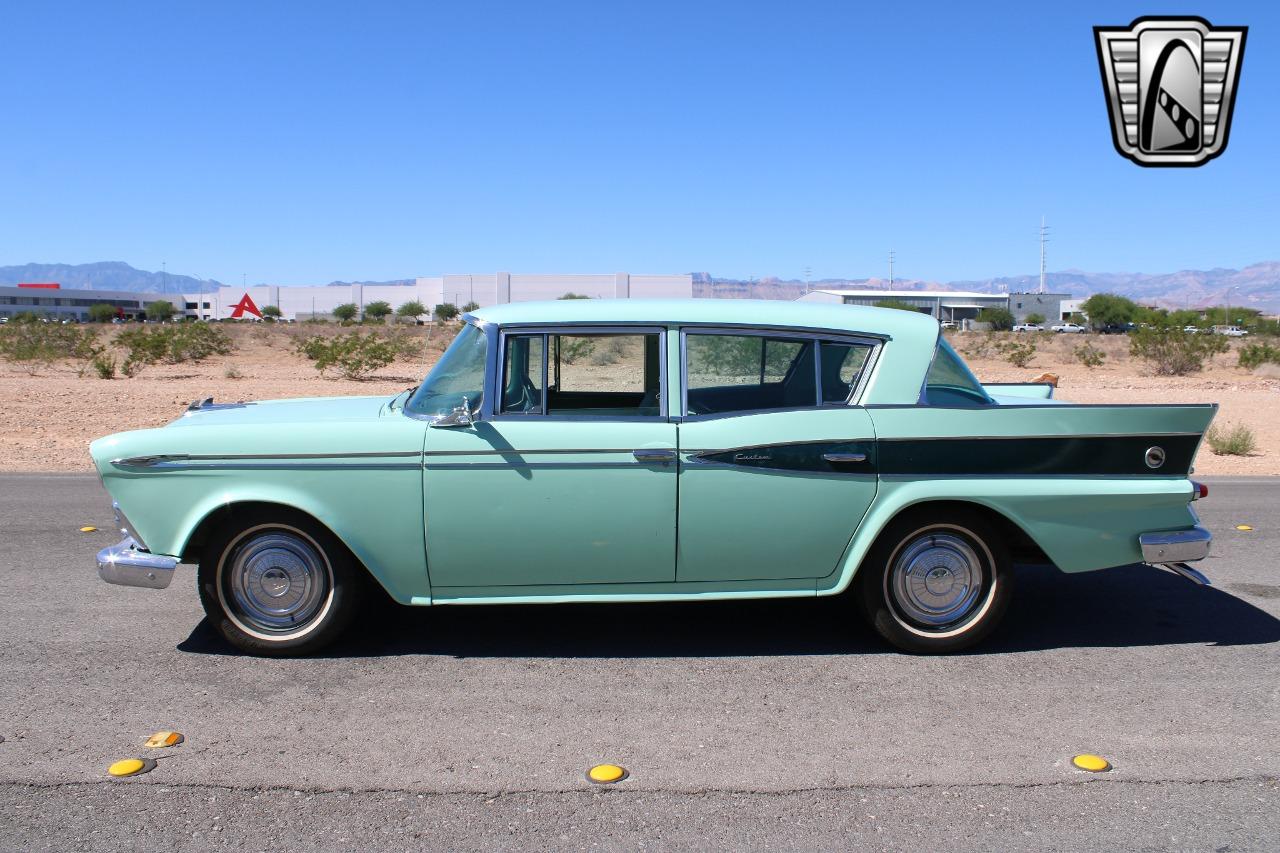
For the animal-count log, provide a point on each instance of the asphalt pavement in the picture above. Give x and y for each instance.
(745, 725)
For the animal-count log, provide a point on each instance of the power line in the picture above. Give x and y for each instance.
(892, 255)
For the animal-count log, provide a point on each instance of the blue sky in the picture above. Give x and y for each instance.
(300, 143)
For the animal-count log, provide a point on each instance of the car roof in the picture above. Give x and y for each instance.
(882, 322)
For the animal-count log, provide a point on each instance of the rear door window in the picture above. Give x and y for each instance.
(727, 372)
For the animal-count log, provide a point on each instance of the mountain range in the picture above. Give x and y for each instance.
(117, 275)
(1255, 286)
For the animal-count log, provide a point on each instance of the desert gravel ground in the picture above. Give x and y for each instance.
(47, 420)
(745, 725)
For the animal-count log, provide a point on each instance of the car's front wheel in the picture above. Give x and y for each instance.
(278, 584)
(934, 584)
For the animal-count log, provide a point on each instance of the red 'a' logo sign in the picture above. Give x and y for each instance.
(245, 304)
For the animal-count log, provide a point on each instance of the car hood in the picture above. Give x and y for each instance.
(300, 410)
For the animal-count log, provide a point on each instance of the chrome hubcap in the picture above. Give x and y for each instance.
(936, 579)
(278, 581)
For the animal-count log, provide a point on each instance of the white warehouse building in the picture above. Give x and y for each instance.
(304, 302)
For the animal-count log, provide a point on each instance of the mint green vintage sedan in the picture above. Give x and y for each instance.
(633, 450)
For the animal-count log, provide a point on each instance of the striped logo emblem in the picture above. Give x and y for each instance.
(1170, 85)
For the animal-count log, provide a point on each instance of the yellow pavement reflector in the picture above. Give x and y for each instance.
(131, 767)
(606, 774)
(1092, 763)
(160, 740)
(88, 528)
(1243, 527)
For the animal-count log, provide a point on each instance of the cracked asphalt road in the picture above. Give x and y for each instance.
(752, 725)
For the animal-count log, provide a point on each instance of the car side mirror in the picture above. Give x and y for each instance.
(461, 416)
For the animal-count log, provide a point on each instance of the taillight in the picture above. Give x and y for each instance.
(1198, 491)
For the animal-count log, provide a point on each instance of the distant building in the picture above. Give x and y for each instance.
(950, 305)
(300, 303)
(55, 302)
(484, 289)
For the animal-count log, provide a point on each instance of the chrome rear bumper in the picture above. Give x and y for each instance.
(124, 564)
(1175, 546)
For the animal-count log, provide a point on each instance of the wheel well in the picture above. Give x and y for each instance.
(1022, 548)
(226, 514)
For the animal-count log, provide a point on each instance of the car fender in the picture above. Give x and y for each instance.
(1081, 524)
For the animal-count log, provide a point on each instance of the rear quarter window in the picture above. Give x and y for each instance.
(949, 381)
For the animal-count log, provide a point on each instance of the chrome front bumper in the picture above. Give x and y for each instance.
(1175, 546)
(124, 564)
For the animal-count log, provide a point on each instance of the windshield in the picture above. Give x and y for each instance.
(949, 382)
(459, 373)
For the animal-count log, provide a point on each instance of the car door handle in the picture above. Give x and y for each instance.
(844, 458)
(653, 454)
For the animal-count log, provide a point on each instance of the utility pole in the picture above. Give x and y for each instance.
(808, 271)
(1229, 289)
(891, 256)
(164, 278)
(1044, 238)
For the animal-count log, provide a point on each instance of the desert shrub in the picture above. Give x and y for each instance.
(346, 312)
(232, 372)
(356, 355)
(171, 344)
(271, 313)
(412, 309)
(471, 306)
(610, 350)
(446, 311)
(574, 296)
(36, 345)
(1253, 355)
(574, 349)
(1089, 355)
(978, 346)
(1034, 319)
(1017, 353)
(1001, 319)
(1173, 352)
(1234, 441)
(104, 365)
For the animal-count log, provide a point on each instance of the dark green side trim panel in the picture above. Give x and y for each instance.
(1068, 455)
(1116, 456)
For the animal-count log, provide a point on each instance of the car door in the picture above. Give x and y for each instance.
(570, 475)
(777, 468)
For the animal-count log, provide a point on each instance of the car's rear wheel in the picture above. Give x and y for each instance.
(278, 584)
(936, 583)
